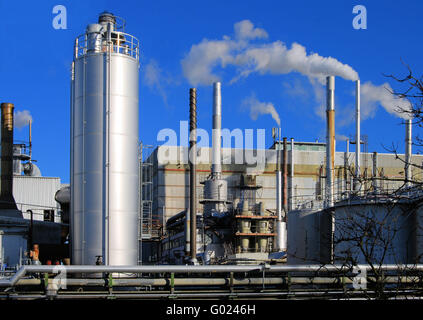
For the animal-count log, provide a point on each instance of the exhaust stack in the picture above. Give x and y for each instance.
(216, 134)
(285, 176)
(280, 224)
(6, 184)
(408, 152)
(192, 241)
(330, 139)
(357, 137)
(216, 188)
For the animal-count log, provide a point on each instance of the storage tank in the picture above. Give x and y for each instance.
(104, 145)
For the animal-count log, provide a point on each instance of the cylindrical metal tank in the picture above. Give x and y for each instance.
(215, 191)
(104, 145)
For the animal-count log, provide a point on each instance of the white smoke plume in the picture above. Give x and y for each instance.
(341, 137)
(372, 96)
(154, 79)
(264, 58)
(247, 55)
(21, 119)
(257, 108)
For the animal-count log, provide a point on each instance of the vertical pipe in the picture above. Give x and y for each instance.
(216, 134)
(279, 233)
(330, 139)
(192, 176)
(6, 183)
(30, 138)
(408, 152)
(357, 136)
(346, 165)
(285, 176)
(106, 230)
(71, 205)
(292, 173)
(374, 171)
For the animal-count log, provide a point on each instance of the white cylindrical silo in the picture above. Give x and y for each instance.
(104, 146)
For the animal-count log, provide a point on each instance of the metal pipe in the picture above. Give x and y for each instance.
(292, 173)
(216, 134)
(263, 268)
(30, 138)
(374, 171)
(279, 232)
(408, 151)
(346, 165)
(193, 173)
(330, 139)
(106, 186)
(285, 177)
(6, 182)
(357, 136)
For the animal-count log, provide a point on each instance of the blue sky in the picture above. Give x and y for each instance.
(35, 63)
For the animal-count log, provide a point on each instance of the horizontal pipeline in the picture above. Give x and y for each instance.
(216, 281)
(264, 268)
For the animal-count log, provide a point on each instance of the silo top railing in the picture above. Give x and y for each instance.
(120, 42)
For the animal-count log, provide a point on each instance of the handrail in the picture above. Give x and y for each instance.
(123, 44)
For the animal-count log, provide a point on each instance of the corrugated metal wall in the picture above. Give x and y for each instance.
(36, 194)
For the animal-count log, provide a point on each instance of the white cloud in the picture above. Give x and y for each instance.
(21, 119)
(258, 108)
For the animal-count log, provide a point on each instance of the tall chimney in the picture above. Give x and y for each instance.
(285, 176)
(357, 137)
(292, 202)
(216, 134)
(330, 139)
(6, 184)
(408, 151)
(279, 232)
(192, 173)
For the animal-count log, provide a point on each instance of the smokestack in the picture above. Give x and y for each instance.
(357, 136)
(192, 173)
(408, 152)
(279, 233)
(216, 134)
(330, 138)
(285, 176)
(292, 173)
(6, 182)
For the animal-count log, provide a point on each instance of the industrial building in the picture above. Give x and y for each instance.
(306, 184)
(29, 213)
(133, 220)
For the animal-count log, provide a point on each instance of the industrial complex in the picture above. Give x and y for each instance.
(165, 221)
